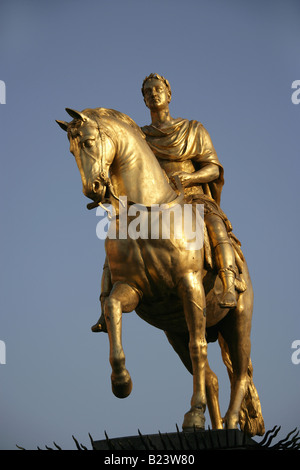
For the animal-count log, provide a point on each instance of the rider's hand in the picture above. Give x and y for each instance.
(186, 179)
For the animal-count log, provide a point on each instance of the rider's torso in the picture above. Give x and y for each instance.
(172, 166)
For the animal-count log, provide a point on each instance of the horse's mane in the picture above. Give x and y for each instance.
(96, 113)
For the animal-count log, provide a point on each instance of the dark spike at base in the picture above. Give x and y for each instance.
(176, 441)
(231, 439)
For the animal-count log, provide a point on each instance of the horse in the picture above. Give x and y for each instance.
(162, 280)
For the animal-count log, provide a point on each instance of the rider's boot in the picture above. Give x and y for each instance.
(227, 276)
(100, 325)
(225, 260)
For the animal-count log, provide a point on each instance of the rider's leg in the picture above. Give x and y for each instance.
(224, 257)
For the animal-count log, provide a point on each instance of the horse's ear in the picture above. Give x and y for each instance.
(62, 124)
(75, 114)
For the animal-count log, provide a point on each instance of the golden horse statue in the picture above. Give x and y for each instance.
(161, 278)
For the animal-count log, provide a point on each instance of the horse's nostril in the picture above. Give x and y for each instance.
(96, 186)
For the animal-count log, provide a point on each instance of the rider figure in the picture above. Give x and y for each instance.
(184, 148)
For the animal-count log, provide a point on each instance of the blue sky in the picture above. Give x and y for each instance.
(231, 65)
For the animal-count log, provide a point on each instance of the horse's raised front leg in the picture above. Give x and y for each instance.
(122, 298)
(193, 297)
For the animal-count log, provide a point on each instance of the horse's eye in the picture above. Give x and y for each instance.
(89, 142)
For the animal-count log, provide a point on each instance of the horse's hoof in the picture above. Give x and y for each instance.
(121, 385)
(231, 421)
(194, 420)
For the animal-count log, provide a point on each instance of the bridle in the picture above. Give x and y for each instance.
(106, 181)
(103, 178)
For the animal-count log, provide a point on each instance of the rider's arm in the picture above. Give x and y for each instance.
(207, 173)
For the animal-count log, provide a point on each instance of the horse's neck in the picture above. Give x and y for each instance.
(136, 173)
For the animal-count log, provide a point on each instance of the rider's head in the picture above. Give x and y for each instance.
(155, 83)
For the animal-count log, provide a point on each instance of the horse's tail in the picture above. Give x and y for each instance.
(251, 420)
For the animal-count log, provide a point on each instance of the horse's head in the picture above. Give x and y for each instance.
(93, 152)
(114, 158)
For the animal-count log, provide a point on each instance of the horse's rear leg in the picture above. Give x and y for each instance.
(192, 294)
(180, 343)
(122, 298)
(212, 394)
(236, 332)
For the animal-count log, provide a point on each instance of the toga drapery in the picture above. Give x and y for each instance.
(186, 140)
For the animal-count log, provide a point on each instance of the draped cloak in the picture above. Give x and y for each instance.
(187, 140)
